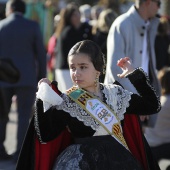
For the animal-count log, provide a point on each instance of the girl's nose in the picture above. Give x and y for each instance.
(77, 73)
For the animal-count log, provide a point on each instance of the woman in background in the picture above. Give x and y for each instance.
(158, 137)
(51, 50)
(101, 29)
(70, 30)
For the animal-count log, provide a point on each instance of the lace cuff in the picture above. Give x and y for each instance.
(118, 99)
(137, 74)
(48, 96)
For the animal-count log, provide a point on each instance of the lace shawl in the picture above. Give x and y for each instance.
(116, 98)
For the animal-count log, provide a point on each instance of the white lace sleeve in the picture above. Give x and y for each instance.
(118, 99)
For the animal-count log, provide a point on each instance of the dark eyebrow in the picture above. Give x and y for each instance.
(81, 64)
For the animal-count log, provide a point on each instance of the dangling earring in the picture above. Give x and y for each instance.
(96, 81)
(104, 65)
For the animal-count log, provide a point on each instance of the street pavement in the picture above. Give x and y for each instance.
(10, 142)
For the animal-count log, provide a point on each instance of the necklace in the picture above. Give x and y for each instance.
(100, 93)
(101, 96)
(97, 95)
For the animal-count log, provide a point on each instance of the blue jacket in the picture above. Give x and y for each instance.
(21, 41)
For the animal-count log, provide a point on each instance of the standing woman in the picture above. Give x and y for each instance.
(101, 29)
(70, 31)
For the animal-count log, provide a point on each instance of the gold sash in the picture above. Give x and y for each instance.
(99, 111)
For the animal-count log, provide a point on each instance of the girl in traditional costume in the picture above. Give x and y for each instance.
(91, 126)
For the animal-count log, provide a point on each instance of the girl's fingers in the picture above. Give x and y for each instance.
(120, 62)
(45, 80)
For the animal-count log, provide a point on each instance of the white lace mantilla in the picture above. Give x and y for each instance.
(116, 97)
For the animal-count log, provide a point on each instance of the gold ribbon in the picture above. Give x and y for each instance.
(99, 111)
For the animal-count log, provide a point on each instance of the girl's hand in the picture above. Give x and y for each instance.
(45, 80)
(126, 66)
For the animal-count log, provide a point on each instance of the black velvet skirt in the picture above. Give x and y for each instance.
(96, 153)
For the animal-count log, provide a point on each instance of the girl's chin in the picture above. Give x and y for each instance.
(80, 86)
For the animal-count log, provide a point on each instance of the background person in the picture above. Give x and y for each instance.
(101, 29)
(133, 34)
(51, 50)
(69, 31)
(21, 42)
(162, 44)
(159, 136)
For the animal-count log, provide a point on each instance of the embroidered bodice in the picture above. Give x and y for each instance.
(116, 98)
(66, 113)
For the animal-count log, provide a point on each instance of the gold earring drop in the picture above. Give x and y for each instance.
(96, 81)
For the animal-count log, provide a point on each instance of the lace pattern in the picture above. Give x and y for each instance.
(76, 111)
(36, 125)
(69, 159)
(116, 97)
